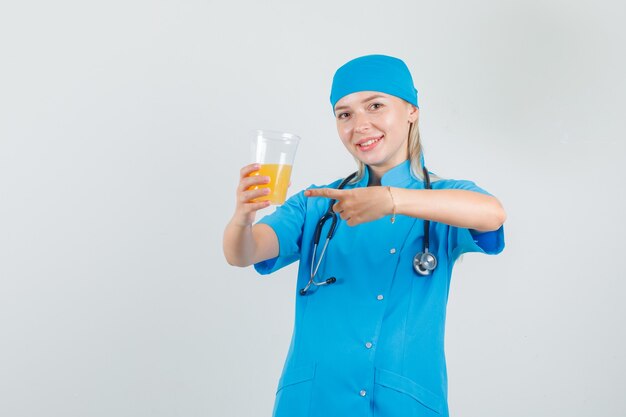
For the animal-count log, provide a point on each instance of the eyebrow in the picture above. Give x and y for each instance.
(366, 100)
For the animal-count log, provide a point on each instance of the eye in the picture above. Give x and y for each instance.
(376, 106)
(342, 115)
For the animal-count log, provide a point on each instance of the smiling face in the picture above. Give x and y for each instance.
(374, 127)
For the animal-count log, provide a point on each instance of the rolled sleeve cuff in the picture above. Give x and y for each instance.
(274, 264)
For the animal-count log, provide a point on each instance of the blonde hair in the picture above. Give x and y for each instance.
(414, 146)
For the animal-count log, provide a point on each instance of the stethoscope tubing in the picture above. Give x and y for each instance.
(423, 263)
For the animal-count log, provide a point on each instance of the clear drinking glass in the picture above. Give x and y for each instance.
(275, 151)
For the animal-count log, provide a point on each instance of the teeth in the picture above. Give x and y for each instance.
(369, 142)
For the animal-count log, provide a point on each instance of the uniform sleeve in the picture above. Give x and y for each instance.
(462, 240)
(288, 223)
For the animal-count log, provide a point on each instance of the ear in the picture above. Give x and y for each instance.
(414, 113)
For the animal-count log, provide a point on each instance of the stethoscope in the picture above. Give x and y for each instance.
(424, 262)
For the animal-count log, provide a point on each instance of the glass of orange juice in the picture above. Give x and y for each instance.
(275, 151)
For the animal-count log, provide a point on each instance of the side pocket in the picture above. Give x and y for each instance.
(405, 396)
(293, 395)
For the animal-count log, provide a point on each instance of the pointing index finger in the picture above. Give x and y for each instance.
(323, 192)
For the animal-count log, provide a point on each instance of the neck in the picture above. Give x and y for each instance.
(375, 175)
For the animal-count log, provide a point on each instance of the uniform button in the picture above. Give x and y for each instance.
(392, 250)
(379, 297)
(363, 393)
(368, 345)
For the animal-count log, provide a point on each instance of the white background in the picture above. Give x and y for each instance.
(123, 126)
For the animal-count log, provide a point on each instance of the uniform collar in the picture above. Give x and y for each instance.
(400, 175)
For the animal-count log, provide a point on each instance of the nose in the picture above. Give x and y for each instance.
(361, 123)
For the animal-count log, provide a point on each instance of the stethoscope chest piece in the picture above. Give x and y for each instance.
(424, 262)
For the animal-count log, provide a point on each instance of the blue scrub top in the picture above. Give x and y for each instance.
(372, 343)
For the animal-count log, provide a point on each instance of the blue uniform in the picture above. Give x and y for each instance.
(372, 343)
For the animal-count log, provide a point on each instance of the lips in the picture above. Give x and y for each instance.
(368, 143)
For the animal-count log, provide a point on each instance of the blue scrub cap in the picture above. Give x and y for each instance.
(382, 73)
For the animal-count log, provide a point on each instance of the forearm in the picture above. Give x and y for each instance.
(461, 208)
(239, 244)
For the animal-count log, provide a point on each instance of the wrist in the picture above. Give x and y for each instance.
(393, 205)
(240, 223)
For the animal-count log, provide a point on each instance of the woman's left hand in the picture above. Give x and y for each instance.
(357, 205)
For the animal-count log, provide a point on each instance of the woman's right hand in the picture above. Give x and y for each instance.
(245, 212)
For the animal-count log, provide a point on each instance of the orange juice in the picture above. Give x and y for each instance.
(279, 181)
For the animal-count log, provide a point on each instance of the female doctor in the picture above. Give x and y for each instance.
(368, 337)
